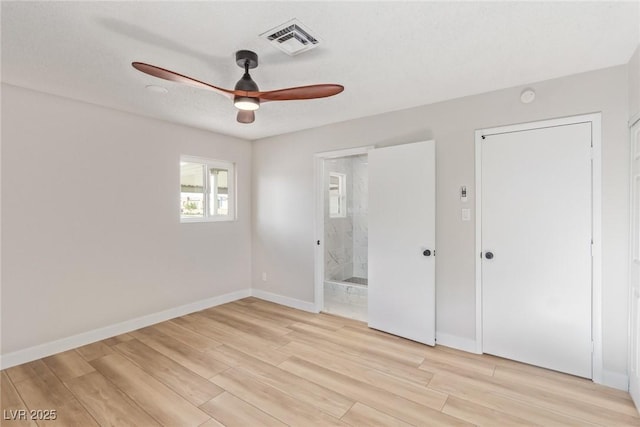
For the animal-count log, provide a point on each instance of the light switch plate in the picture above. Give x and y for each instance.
(466, 214)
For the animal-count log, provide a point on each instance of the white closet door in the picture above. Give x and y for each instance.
(402, 240)
(634, 285)
(536, 241)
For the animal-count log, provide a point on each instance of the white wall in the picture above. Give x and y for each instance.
(283, 192)
(71, 266)
(634, 84)
(74, 255)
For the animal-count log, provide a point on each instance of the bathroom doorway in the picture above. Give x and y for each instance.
(342, 227)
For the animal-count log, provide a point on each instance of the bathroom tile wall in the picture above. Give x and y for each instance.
(360, 192)
(338, 256)
(346, 239)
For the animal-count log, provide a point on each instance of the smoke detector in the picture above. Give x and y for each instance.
(527, 96)
(292, 37)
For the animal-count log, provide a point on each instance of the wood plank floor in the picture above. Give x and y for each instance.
(252, 363)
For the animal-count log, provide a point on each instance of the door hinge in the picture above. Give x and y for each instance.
(593, 347)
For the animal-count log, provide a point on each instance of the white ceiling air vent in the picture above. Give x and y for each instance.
(292, 37)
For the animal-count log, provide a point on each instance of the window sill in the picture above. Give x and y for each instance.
(210, 219)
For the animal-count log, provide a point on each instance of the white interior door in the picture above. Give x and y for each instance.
(634, 285)
(536, 239)
(402, 240)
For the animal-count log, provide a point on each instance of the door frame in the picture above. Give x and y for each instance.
(632, 326)
(596, 214)
(319, 201)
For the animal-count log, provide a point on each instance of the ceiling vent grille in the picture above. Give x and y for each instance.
(292, 37)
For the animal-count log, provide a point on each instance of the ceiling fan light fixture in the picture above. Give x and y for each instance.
(246, 95)
(246, 103)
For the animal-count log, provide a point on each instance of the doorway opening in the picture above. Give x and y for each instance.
(342, 226)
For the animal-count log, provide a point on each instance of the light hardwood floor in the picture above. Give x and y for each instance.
(251, 363)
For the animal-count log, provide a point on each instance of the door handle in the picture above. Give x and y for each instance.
(488, 255)
(427, 252)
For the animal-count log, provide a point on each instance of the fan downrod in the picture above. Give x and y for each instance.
(244, 57)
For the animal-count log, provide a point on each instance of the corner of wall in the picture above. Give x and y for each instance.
(286, 301)
(615, 380)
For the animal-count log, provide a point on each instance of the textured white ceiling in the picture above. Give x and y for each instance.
(388, 55)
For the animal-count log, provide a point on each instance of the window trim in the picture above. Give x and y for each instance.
(231, 182)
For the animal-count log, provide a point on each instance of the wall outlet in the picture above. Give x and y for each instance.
(264, 277)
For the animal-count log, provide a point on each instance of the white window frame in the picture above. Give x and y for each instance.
(209, 164)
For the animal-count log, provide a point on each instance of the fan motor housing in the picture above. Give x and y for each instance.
(247, 83)
(242, 56)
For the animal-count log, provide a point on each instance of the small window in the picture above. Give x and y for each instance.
(206, 190)
(337, 195)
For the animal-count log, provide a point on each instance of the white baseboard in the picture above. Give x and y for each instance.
(459, 343)
(282, 300)
(47, 349)
(609, 378)
(615, 380)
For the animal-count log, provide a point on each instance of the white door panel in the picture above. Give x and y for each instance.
(401, 228)
(536, 221)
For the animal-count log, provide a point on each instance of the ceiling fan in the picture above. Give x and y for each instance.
(246, 95)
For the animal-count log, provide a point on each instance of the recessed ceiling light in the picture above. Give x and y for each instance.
(527, 96)
(156, 89)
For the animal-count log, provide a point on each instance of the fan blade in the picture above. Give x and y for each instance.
(165, 74)
(246, 116)
(302, 92)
